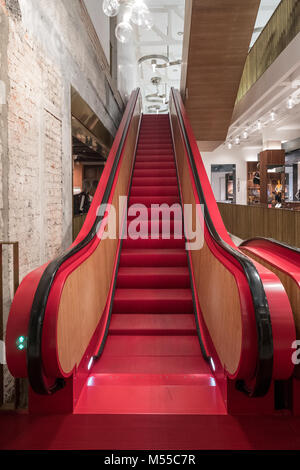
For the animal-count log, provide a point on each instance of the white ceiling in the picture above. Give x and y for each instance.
(271, 93)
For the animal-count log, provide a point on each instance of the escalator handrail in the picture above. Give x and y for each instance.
(294, 249)
(36, 375)
(264, 369)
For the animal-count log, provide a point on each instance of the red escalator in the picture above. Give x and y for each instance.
(284, 261)
(152, 362)
(154, 324)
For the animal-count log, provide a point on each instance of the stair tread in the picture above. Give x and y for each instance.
(136, 294)
(161, 323)
(154, 271)
(157, 190)
(152, 345)
(153, 277)
(153, 257)
(154, 181)
(156, 301)
(149, 365)
(144, 397)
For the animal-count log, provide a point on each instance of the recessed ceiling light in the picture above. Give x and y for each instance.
(180, 33)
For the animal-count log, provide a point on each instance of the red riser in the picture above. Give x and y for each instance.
(149, 277)
(154, 173)
(148, 364)
(154, 181)
(154, 157)
(153, 301)
(156, 228)
(172, 346)
(149, 200)
(154, 166)
(154, 191)
(147, 324)
(152, 244)
(153, 214)
(154, 151)
(158, 146)
(156, 257)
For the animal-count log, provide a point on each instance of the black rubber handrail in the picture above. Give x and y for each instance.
(294, 249)
(260, 384)
(37, 379)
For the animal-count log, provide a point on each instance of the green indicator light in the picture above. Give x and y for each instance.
(21, 343)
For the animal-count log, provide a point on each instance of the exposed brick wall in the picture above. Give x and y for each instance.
(35, 128)
(53, 185)
(35, 151)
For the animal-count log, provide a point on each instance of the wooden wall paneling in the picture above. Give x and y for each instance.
(221, 312)
(257, 221)
(86, 289)
(218, 43)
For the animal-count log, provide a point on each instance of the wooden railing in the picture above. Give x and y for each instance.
(283, 26)
(252, 221)
(15, 261)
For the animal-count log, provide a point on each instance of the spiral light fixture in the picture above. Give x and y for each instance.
(134, 12)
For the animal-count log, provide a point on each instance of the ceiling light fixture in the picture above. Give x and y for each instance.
(111, 7)
(259, 125)
(237, 140)
(140, 14)
(229, 145)
(290, 103)
(136, 12)
(245, 135)
(123, 31)
(272, 115)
